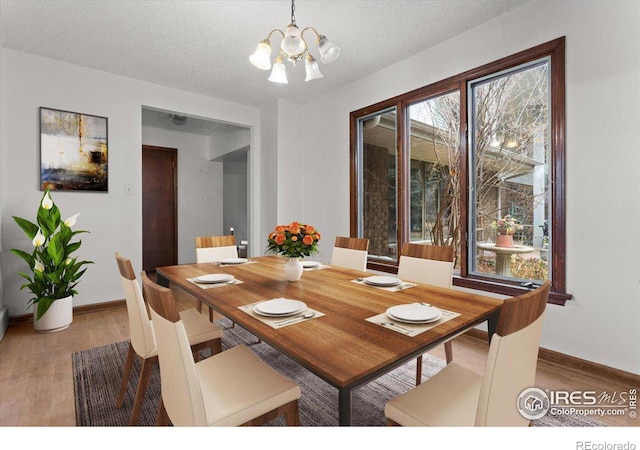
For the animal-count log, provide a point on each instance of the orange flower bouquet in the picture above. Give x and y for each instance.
(295, 240)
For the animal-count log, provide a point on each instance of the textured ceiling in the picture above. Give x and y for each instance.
(203, 46)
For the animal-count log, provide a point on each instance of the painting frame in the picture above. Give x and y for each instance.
(74, 151)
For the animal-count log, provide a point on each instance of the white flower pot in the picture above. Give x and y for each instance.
(293, 269)
(57, 318)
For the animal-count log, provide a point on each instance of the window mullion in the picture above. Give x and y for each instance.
(464, 181)
(558, 156)
(403, 177)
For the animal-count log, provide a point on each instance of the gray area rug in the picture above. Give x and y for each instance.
(97, 373)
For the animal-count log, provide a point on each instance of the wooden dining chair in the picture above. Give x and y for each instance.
(457, 396)
(350, 252)
(234, 387)
(428, 264)
(214, 249)
(200, 332)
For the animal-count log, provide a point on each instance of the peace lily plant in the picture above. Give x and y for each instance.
(54, 272)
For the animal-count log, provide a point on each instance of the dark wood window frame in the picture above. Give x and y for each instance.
(555, 51)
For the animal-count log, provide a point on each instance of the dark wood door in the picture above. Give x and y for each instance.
(159, 207)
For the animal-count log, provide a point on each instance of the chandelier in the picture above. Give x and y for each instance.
(293, 48)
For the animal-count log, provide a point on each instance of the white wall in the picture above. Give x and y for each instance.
(200, 187)
(113, 218)
(282, 199)
(290, 155)
(225, 142)
(269, 175)
(4, 310)
(235, 203)
(603, 112)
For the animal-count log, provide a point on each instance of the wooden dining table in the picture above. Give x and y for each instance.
(340, 346)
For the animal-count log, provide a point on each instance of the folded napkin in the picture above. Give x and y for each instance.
(410, 329)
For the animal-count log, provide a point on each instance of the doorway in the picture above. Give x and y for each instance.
(159, 207)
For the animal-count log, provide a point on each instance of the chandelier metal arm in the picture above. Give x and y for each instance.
(273, 31)
(306, 50)
(312, 29)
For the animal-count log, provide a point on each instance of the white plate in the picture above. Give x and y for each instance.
(234, 260)
(213, 278)
(310, 264)
(397, 319)
(279, 307)
(414, 313)
(381, 281)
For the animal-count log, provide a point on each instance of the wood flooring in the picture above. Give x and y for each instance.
(36, 382)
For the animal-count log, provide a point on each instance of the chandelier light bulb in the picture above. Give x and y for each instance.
(292, 43)
(261, 58)
(311, 68)
(279, 72)
(328, 52)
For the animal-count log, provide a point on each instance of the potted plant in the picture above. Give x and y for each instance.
(506, 227)
(54, 271)
(293, 241)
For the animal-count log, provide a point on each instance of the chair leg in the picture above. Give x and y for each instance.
(216, 346)
(145, 374)
(126, 373)
(163, 418)
(210, 314)
(199, 305)
(292, 416)
(448, 351)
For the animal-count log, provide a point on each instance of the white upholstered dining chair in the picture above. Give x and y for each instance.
(234, 387)
(201, 334)
(214, 249)
(428, 264)
(350, 253)
(457, 396)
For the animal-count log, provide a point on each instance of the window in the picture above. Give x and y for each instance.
(434, 156)
(378, 184)
(446, 164)
(509, 137)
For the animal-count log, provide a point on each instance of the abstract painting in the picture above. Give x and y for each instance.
(73, 151)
